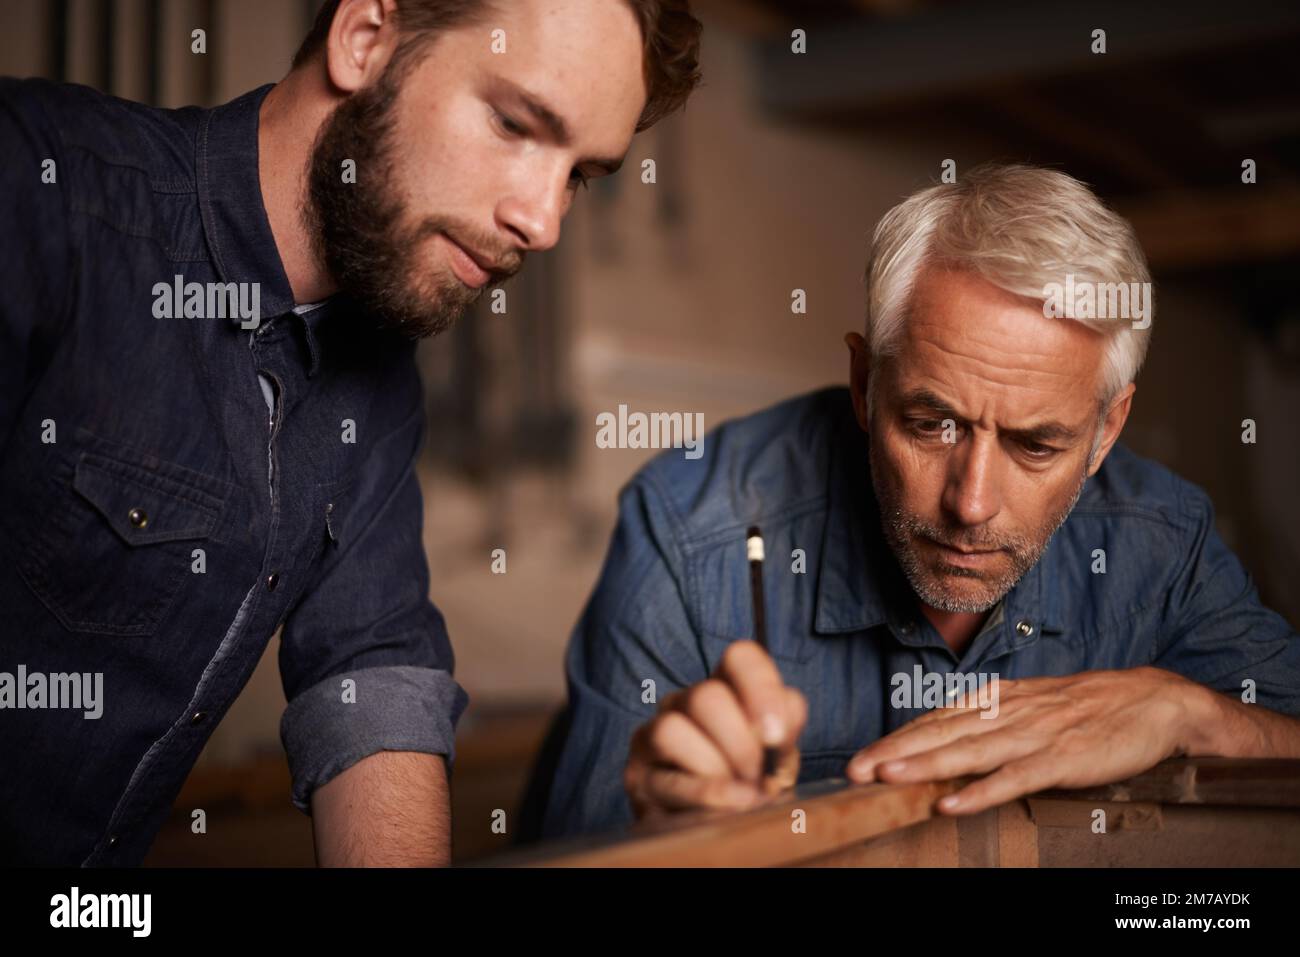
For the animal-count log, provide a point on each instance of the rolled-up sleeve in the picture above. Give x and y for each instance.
(406, 709)
(365, 658)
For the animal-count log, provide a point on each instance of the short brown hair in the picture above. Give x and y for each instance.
(671, 43)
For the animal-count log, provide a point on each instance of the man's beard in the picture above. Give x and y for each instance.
(359, 232)
(902, 529)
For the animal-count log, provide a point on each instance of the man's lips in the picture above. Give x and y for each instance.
(473, 269)
(962, 557)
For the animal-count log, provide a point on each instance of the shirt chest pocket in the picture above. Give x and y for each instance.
(114, 543)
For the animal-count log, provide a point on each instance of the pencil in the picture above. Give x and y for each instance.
(754, 550)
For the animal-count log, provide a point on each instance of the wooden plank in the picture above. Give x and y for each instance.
(1248, 782)
(1191, 835)
(1049, 812)
(929, 843)
(766, 836)
(1017, 836)
(977, 839)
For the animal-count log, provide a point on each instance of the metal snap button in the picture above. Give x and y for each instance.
(197, 717)
(272, 580)
(138, 517)
(1024, 628)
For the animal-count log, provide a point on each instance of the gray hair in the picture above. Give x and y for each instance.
(1021, 228)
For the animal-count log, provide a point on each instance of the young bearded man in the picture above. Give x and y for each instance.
(209, 408)
(963, 509)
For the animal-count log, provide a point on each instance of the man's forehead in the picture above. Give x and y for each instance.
(965, 329)
(575, 64)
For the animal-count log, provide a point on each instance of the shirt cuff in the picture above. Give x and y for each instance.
(332, 725)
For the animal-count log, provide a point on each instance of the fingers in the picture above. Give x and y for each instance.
(705, 748)
(754, 677)
(716, 712)
(787, 765)
(914, 738)
(1028, 775)
(1018, 700)
(667, 789)
(675, 739)
(973, 754)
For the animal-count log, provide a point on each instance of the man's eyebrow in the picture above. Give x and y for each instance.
(555, 124)
(1042, 432)
(927, 399)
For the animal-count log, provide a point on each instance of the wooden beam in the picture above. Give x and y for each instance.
(835, 816)
(957, 49)
(1237, 782)
(1194, 229)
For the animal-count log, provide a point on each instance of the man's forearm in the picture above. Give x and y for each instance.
(391, 809)
(1225, 727)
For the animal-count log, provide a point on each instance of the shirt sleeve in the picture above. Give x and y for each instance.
(633, 645)
(1221, 635)
(365, 658)
(35, 257)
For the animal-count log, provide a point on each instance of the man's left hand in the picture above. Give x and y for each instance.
(1082, 730)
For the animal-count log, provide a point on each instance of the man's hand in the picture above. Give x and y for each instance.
(1092, 728)
(390, 809)
(705, 747)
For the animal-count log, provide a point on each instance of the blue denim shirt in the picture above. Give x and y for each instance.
(158, 525)
(674, 592)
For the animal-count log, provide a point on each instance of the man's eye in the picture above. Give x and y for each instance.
(927, 426)
(507, 125)
(1036, 450)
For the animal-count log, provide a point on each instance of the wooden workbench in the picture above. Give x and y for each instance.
(1201, 812)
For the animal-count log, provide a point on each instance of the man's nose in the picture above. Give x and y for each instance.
(972, 495)
(532, 214)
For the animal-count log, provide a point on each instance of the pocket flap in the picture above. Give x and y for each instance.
(144, 507)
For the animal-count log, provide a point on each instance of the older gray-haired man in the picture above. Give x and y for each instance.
(962, 510)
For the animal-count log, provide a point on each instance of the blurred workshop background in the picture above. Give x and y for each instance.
(676, 296)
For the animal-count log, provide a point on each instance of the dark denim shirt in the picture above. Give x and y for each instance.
(158, 522)
(674, 592)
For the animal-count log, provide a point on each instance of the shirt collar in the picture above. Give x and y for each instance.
(230, 201)
(860, 584)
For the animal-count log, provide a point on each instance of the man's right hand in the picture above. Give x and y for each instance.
(705, 747)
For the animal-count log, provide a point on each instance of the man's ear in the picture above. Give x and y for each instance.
(1116, 416)
(362, 38)
(859, 372)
